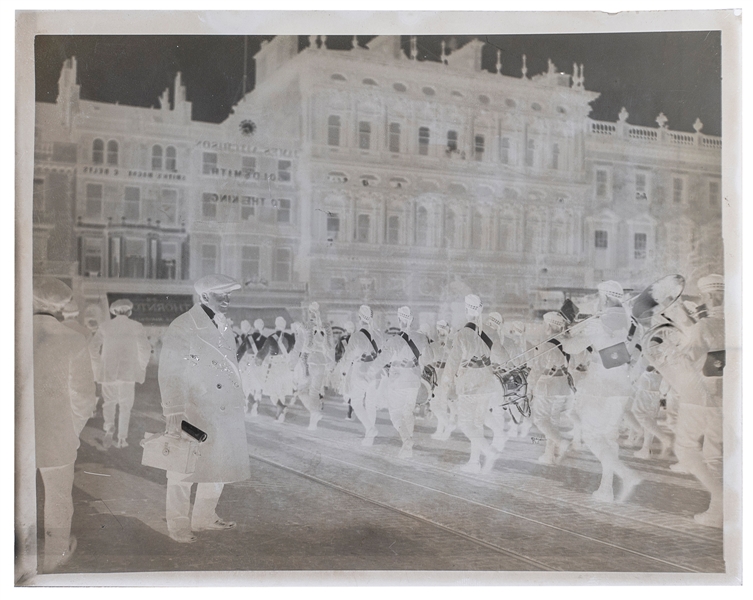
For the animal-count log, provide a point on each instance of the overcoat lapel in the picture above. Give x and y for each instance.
(211, 336)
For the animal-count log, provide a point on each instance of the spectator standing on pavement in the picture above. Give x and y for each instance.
(63, 402)
(200, 383)
(120, 352)
(70, 319)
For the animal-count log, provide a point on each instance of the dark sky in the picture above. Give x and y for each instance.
(678, 73)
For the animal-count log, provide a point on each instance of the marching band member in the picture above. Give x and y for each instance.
(405, 355)
(469, 370)
(316, 352)
(336, 378)
(496, 419)
(250, 372)
(646, 403)
(360, 383)
(552, 390)
(695, 373)
(278, 383)
(441, 408)
(605, 388)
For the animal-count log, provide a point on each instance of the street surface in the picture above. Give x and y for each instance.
(321, 501)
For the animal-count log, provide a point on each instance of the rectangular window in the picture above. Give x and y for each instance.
(423, 141)
(363, 228)
(600, 238)
(337, 284)
(168, 261)
(169, 206)
(248, 165)
(504, 154)
(478, 147)
(281, 270)
(250, 261)
(208, 259)
(283, 211)
(209, 206)
(601, 183)
(38, 194)
(364, 135)
(92, 257)
(640, 186)
(247, 212)
(171, 159)
(333, 226)
(283, 170)
(530, 149)
(209, 163)
(112, 152)
(556, 157)
(132, 203)
(639, 246)
(134, 261)
(393, 230)
(677, 189)
(115, 245)
(333, 130)
(94, 200)
(452, 141)
(395, 137)
(714, 193)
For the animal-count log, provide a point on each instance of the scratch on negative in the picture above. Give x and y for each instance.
(100, 474)
(390, 547)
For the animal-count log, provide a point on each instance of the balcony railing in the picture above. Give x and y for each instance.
(654, 135)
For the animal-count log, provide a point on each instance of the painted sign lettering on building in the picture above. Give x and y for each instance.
(246, 149)
(155, 309)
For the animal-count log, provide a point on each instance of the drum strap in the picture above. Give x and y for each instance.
(410, 343)
(487, 340)
(373, 343)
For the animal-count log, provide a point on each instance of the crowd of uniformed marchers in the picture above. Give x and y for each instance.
(582, 380)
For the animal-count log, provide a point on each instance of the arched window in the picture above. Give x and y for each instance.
(449, 228)
(112, 152)
(477, 231)
(98, 152)
(333, 130)
(156, 157)
(171, 161)
(393, 229)
(422, 227)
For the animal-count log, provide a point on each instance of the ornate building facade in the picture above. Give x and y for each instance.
(365, 175)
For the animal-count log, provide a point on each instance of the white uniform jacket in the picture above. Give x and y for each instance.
(357, 361)
(63, 391)
(405, 368)
(199, 378)
(120, 351)
(469, 365)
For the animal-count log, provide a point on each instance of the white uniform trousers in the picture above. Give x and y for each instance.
(178, 504)
(473, 410)
(58, 512)
(401, 404)
(116, 393)
(698, 446)
(546, 416)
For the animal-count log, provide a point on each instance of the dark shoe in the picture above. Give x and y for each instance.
(218, 525)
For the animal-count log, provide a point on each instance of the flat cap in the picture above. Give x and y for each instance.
(51, 291)
(711, 283)
(121, 306)
(216, 283)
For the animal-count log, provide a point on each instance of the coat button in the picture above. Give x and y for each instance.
(222, 408)
(219, 386)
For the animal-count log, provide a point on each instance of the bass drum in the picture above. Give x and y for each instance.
(515, 387)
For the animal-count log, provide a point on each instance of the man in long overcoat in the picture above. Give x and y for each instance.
(63, 402)
(120, 353)
(200, 383)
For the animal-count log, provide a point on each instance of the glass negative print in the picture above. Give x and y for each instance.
(450, 303)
